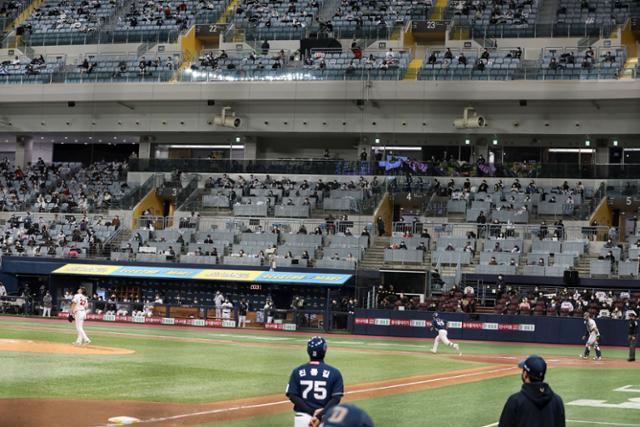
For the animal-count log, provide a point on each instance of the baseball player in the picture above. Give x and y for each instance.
(242, 313)
(314, 387)
(79, 305)
(633, 335)
(440, 326)
(593, 337)
(346, 415)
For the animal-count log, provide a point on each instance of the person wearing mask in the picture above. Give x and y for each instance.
(535, 404)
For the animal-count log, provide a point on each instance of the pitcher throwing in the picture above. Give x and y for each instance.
(79, 305)
(440, 326)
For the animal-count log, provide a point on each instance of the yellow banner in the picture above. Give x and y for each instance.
(235, 275)
(93, 269)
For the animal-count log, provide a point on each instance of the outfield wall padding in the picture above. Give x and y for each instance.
(485, 327)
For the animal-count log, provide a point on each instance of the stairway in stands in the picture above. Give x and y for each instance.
(328, 10)
(439, 9)
(547, 13)
(35, 4)
(123, 235)
(628, 71)
(412, 70)
(374, 257)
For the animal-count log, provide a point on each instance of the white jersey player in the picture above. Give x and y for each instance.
(79, 305)
(440, 327)
(593, 337)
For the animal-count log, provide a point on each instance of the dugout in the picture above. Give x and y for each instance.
(188, 291)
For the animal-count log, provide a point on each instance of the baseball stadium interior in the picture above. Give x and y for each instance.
(323, 167)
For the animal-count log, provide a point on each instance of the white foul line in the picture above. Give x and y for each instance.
(603, 423)
(281, 402)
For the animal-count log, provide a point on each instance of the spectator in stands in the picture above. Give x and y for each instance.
(469, 248)
(462, 59)
(481, 220)
(541, 262)
(524, 307)
(421, 247)
(515, 249)
(448, 55)
(432, 58)
(485, 54)
(493, 261)
(517, 53)
(380, 225)
(566, 308)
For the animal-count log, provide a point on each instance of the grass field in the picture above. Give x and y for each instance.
(186, 371)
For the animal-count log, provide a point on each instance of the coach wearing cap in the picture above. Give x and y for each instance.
(536, 405)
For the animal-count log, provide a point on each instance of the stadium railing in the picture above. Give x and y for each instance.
(400, 168)
(465, 32)
(102, 37)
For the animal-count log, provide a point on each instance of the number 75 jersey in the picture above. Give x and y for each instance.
(316, 383)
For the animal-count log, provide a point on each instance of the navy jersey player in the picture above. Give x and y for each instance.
(440, 327)
(346, 415)
(314, 387)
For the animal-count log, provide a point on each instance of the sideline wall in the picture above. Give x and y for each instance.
(537, 329)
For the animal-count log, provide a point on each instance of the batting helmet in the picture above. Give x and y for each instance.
(435, 314)
(586, 315)
(346, 415)
(317, 348)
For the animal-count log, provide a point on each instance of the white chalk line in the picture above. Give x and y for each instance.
(601, 423)
(281, 402)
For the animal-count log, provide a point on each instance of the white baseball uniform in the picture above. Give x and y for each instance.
(302, 419)
(80, 313)
(593, 332)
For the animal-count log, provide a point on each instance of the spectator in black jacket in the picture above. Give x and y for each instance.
(536, 404)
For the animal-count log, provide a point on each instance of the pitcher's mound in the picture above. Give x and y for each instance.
(29, 346)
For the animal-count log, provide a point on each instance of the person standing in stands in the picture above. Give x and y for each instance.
(380, 224)
(633, 335)
(535, 404)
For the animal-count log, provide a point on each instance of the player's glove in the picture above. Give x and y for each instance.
(70, 318)
(584, 337)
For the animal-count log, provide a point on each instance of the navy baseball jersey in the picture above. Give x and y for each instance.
(316, 383)
(439, 324)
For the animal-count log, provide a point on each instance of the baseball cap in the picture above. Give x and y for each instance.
(535, 366)
(346, 415)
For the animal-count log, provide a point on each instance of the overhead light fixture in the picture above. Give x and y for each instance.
(377, 141)
(238, 139)
(209, 147)
(587, 143)
(467, 142)
(495, 142)
(572, 150)
(631, 149)
(401, 148)
(615, 142)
